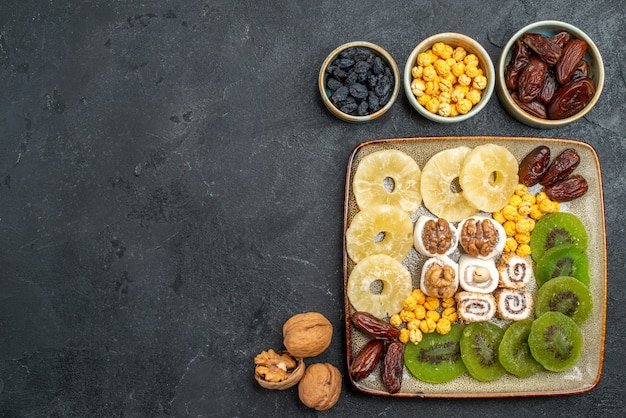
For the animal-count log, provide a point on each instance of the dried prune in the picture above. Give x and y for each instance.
(573, 53)
(548, 50)
(520, 57)
(531, 80)
(571, 98)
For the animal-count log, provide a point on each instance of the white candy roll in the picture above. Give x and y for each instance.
(513, 304)
(475, 307)
(477, 275)
(515, 272)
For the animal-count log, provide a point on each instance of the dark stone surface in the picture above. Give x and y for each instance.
(171, 191)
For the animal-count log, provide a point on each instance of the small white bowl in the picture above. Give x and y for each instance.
(454, 40)
(549, 28)
(325, 92)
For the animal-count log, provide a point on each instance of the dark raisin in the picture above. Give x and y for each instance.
(361, 54)
(383, 86)
(362, 66)
(333, 84)
(362, 109)
(340, 74)
(358, 91)
(349, 108)
(374, 102)
(344, 63)
(340, 94)
(363, 77)
(348, 53)
(351, 79)
(331, 69)
(379, 66)
(371, 81)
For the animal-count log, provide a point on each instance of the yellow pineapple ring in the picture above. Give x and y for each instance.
(438, 177)
(401, 174)
(489, 176)
(382, 229)
(378, 285)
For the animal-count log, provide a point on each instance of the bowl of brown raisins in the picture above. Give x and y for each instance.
(449, 77)
(550, 74)
(359, 81)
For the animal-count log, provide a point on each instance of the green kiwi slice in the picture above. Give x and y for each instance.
(514, 352)
(479, 344)
(566, 295)
(555, 341)
(555, 229)
(437, 358)
(564, 260)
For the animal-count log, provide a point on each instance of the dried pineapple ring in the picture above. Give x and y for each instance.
(382, 229)
(392, 166)
(396, 285)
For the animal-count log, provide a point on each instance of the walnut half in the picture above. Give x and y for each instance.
(278, 370)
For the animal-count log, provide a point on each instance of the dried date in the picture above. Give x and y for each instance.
(572, 54)
(535, 108)
(520, 57)
(571, 98)
(373, 326)
(561, 167)
(581, 71)
(562, 38)
(365, 362)
(393, 364)
(534, 165)
(531, 80)
(548, 50)
(568, 189)
(549, 88)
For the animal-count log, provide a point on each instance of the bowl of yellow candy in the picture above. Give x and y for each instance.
(449, 77)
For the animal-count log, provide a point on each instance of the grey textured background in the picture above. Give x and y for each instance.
(171, 191)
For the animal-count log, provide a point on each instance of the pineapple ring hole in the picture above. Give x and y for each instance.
(380, 237)
(389, 184)
(377, 286)
(455, 185)
(495, 178)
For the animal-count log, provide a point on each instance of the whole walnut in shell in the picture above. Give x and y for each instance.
(320, 386)
(307, 334)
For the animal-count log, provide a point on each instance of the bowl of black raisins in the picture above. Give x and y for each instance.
(359, 81)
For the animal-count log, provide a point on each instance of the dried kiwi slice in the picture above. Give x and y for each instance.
(564, 260)
(555, 229)
(514, 352)
(566, 295)
(437, 358)
(555, 341)
(479, 344)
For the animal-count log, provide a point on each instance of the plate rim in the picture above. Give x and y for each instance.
(497, 139)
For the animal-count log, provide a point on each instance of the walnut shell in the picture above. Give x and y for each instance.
(293, 379)
(320, 387)
(307, 334)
